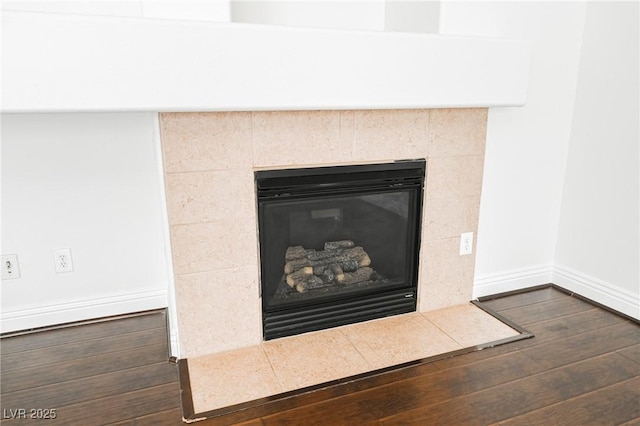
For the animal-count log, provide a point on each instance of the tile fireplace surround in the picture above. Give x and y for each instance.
(209, 160)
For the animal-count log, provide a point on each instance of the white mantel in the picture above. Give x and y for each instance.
(63, 63)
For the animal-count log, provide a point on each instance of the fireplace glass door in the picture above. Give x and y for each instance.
(338, 244)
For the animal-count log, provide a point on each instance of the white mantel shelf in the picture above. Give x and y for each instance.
(65, 63)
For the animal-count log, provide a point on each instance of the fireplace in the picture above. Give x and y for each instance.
(210, 160)
(338, 245)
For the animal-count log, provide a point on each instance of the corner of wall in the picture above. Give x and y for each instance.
(172, 310)
(606, 293)
(514, 279)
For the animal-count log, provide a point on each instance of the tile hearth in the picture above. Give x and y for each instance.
(291, 363)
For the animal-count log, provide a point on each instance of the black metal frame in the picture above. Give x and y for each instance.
(301, 184)
(338, 179)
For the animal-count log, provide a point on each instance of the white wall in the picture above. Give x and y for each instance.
(193, 10)
(597, 252)
(89, 182)
(412, 16)
(346, 15)
(231, 67)
(561, 185)
(418, 16)
(527, 147)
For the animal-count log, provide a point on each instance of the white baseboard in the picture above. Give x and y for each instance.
(174, 346)
(26, 319)
(514, 279)
(610, 295)
(599, 291)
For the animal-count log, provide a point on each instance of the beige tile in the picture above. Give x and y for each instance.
(446, 278)
(469, 325)
(398, 339)
(391, 134)
(457, 132)
(218, 311)
(348, 131)
(313, 358)
(206, 141)
(231, 378)
(452, 177)
(207, 234)
(209, 196)
(293, 138)
(449, 217)
(214, 245)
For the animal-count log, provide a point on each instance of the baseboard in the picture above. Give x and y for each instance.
(174, 347)
(605, 293)
(26, 319)
(514, 279)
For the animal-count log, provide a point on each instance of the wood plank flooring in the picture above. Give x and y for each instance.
(98, 373)
(582, 368)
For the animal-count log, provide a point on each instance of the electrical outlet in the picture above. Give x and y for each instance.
(62, 260)
(10, 266)
(466, 243)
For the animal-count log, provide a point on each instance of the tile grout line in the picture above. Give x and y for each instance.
(442, 331)
(273, 369)
(484, 319)
(366, 360)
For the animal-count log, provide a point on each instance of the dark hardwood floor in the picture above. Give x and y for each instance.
(581, 368)
(92, 374)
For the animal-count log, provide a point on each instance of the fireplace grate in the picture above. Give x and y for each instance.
(337, 313)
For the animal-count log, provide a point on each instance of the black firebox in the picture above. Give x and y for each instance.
(338, 245)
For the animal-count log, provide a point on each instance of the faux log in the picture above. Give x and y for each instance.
(338, 273)
(349, 265)
(362, 274)
(297, 252)
(299, 276)
(323, 255)
(296, 264)
(334, 245)
(309, 283)
(348, 259)
(327, 275)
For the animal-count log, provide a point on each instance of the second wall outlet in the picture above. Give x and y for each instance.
(466, 243)
(10, 266)
(62, 260)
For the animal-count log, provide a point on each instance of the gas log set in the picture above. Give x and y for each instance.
(338, 244)
(340, 263)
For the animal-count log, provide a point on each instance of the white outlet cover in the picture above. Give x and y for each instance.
(10, 267)
(466, 243)
(62, 260)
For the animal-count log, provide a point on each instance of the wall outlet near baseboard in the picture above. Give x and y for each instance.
(10, 266)
(466, 243)
(62, 260)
